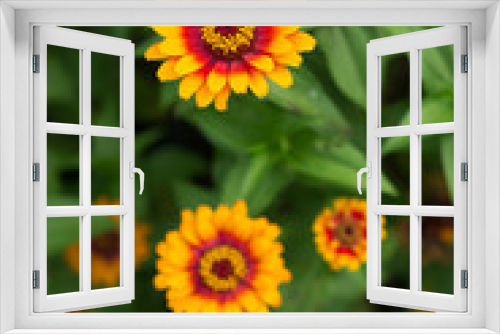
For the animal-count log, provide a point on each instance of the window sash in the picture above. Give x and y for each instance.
(413, 43)
(86, 43)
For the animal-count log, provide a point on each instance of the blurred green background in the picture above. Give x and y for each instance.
(288, 155)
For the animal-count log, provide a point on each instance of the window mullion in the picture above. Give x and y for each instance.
(85, 246)
(414, 170)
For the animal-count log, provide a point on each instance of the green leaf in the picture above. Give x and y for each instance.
(325, 168)
(169, 94)
(250, 125)
(349, 155)
(144, 139)
(447, 161)
(399, 30)
(437, 69)
(190, 196)
(433, 111)
(258, 182)
(170, 163)
(308, 96)
(345, 49)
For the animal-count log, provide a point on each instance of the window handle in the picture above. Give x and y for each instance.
(141, 175)
(368, 171)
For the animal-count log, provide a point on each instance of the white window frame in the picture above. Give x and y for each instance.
(16, 21)
(85, 43)
(413, 44)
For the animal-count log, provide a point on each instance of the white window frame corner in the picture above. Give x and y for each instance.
(483, 20)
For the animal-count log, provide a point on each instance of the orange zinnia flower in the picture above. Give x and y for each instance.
(340, 234)
(212, 61)
(221, 261)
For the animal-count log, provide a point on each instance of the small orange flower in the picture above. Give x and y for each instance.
(340, 234)
(211, 61)
(105, 248)
(221, 261)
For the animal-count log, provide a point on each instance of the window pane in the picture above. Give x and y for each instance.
(63, 85)
(63, 255)
(395, 235)
(395, 81)
(437, 254)
(437, 169)
(105, 260)
(395, 166)
(437, 84)
(105, 176)
(63, 170)
(105, 91)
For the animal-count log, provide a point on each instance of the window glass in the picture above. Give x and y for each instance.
(105, 77)
(63, 170)
(63, 88)
(63, 255)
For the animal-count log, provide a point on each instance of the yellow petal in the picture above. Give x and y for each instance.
(159, 282)
(204, 96)
(188, 227)
(258, 84)
(179, 280)
(279, 45)
(222, 217)
(189, 64)
(263, 281)
(222, 98)
(261, 62)
(353, 265)
(179, 293)
(290, 59)
(231, 306)
(270, 296)
(286, 30)
(341, 204)
(239, 81)
(250, 303)
(173, 47)
(261, 246)
(217, 77)
(175, 250)
(204, 227)
(240, 208)
(177, 305)
(154, 53)
(170, 32)
(210, 306)
(190, 84)
(166, 71)
(195, 303)
(282, 76)
(302, 41)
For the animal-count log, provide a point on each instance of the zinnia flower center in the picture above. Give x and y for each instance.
(222, 268)
(228, 42)
(347, 232)
(106, 246)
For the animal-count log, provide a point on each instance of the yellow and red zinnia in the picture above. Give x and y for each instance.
(221, 261)
(213, 60)
(340, 234)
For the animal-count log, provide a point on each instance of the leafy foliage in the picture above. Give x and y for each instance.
(288, 155)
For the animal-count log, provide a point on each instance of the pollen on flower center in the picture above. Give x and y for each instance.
(222, 268)
(346, 231)
(228, 42)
